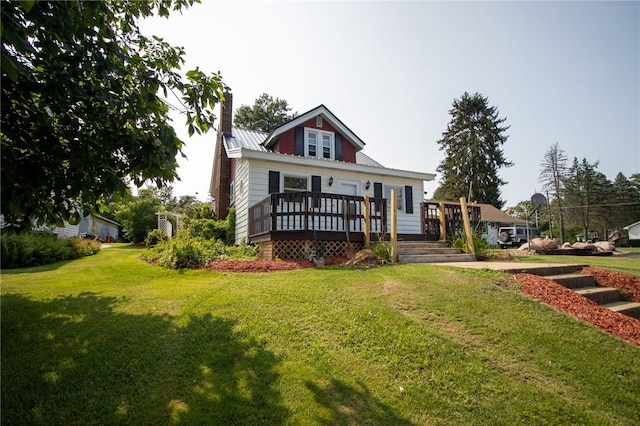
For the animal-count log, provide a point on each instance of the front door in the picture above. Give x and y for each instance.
(350, 188)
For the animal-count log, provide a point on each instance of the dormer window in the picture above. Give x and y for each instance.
(319, 143)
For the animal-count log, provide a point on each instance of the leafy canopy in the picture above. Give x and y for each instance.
(82, 112)
(473, 152)
(265, 115)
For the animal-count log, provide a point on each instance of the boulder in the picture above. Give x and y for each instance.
(533, 246)
(604, 246)
(545, 243)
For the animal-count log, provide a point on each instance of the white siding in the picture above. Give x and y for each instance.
(241, 199)
(256, 173)
(634, 231)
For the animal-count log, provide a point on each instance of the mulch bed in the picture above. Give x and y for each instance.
(268, 265)
(565, 300)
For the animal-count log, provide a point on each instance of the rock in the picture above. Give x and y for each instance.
(582, 246)
(566, 246)
(545, 243)
(533, 246)
(604, 246)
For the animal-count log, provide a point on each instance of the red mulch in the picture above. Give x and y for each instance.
(627, 284)
(267, 265)
(565, 300)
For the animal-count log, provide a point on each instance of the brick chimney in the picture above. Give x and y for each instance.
(221, 178)
(226, 112)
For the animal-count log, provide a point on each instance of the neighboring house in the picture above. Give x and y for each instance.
(301, 183)
(92, 226)
(633, 230)
(491, 219)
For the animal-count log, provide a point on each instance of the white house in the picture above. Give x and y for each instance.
(91, 225)
(304, 181)
(633, 230)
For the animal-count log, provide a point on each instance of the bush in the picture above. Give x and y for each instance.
(34, 249)
(209, 229)
(479, 243)
(155, 237)
(231, 227)
(184, 252)
(382, 250)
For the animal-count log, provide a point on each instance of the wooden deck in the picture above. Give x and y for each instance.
(314, 216)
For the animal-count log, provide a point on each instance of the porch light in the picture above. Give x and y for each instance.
(331, 181)
(367, 185)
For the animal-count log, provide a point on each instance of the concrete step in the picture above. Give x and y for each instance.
(574, 281)
(631, 309)
(600, 295)
(550, 270)
(427, 250)
(425, 244)
(435, 258)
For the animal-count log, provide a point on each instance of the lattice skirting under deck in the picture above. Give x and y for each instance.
(300, 249)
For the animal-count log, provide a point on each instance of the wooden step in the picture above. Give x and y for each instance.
(600, 295)
(574, 281)
(631, 309)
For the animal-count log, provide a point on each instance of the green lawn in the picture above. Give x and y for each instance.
(624, 264)
(108, 339)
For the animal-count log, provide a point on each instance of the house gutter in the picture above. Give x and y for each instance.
(327, 164)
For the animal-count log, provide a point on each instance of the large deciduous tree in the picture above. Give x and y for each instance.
(82, 112)
(473, 152)
(552, 175)
(265, 115)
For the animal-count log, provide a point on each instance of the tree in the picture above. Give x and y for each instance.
(82, 112)
(138, 215)
(626, 201)
(265, 115)
(552, 174)
(586, 193)
(473, 153)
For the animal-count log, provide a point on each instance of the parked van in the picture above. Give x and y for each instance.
(515, 236)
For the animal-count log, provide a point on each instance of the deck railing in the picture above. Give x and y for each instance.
(449, 214)
(315, 211)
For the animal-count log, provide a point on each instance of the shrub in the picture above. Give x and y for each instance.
(231, 227)
(479, 243)
(35, 248)
(209, 229)
(184, 252)
(382, 250)
(155, 237)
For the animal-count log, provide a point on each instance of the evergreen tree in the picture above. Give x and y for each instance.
(586, 194)
(626, 202)
(473, 152)
(265, 115)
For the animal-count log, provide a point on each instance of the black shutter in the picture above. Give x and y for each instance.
(408, 199)
(338, 143)
(377, 189)
(274, 182)
(299, 143)
(377, 192)
(316, 186)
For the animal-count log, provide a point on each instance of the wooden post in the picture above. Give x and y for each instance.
(394, 227)
(367, 223)
(467, 226)
(443, 221)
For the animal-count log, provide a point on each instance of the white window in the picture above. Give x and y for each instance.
(295, 183)
(318, 143)
(232, 193)
(399, 196)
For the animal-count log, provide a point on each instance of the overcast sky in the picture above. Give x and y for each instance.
(559, 72)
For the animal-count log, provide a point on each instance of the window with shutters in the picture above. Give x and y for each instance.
(399, 196)
(319, 143)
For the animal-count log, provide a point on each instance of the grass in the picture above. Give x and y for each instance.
(625, 265)
(110, 340)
